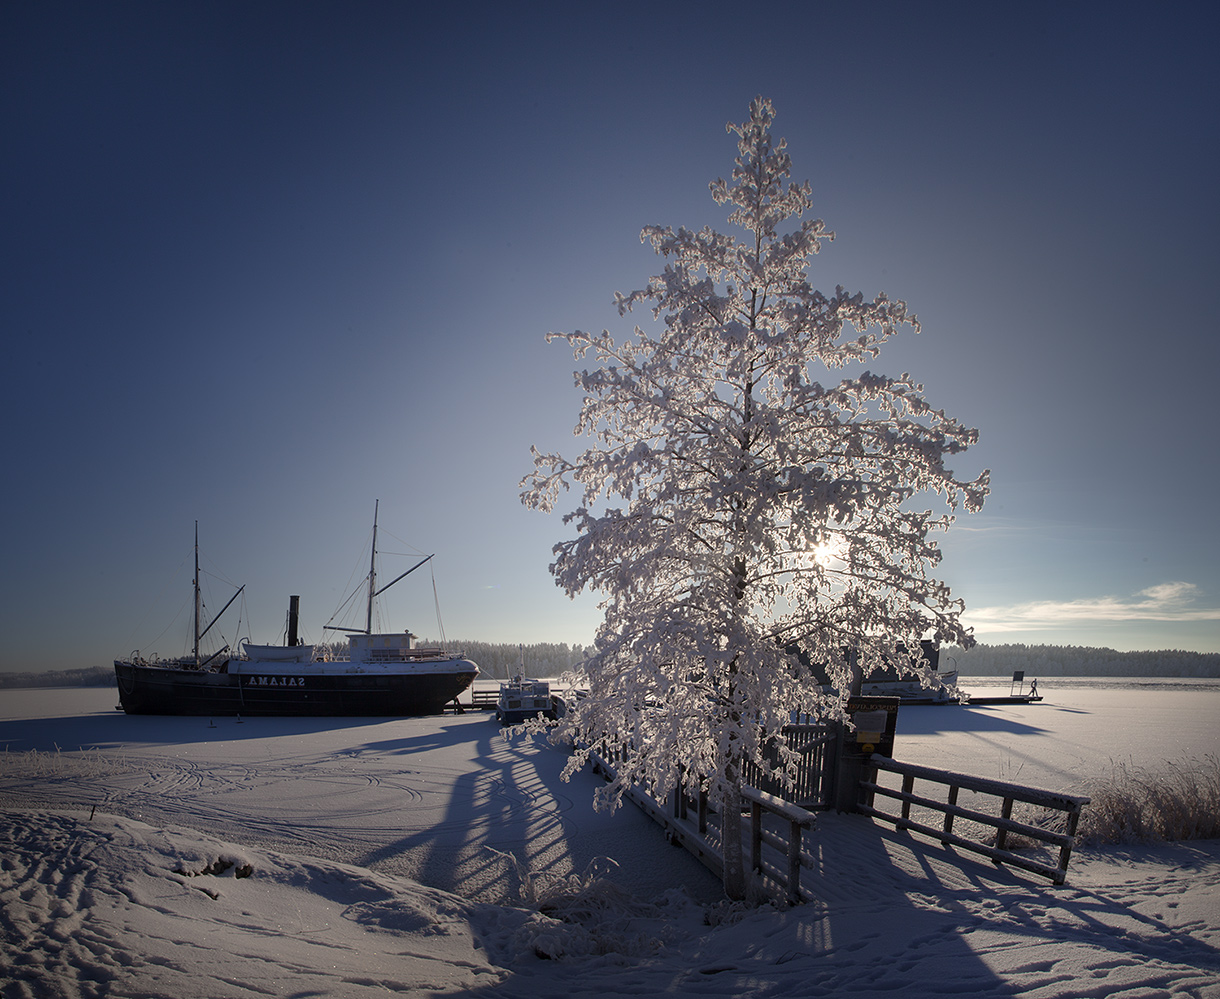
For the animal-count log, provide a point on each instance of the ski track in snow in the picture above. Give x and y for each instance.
(107, 912)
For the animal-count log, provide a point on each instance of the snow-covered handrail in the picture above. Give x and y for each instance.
(1070, 805)
(798, 820)
(672, 814)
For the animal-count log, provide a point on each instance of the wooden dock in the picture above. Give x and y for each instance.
(1004, 699)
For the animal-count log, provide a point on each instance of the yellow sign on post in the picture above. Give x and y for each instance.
(875, 719)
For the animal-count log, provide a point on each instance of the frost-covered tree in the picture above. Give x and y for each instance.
(734, 510)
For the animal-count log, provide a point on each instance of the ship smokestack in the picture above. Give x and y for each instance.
(294, 607)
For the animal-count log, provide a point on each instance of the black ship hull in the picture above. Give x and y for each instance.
(166, 690)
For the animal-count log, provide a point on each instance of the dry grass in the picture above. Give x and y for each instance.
(1179, 801)
(30, 764)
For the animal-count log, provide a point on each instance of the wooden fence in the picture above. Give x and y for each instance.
(703, 836)
(797, 820)
(484, 700)
(781, 825)
(1004, 823)
(812, 773)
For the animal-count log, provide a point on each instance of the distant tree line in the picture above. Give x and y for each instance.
(90, 676)
(497, 660)
(1077, 660)
(500, 660)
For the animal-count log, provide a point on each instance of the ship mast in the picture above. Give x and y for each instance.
(373, 590)
(372, 570)
(196, 593)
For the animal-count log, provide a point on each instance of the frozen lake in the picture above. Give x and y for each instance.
(425, 798)
(1080, 731)
(338, 822)
(431, 798)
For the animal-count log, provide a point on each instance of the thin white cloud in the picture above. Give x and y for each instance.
(1164, 602)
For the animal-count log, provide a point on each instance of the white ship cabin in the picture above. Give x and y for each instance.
(393, 648)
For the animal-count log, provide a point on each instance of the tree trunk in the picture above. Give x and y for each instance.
(730, 843)
(856, 671)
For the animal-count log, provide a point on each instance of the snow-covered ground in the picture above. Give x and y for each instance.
(350, 857)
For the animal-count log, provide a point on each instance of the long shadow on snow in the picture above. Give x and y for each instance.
(895, 915)
(870, 929)
(928, 719)
(114, 730)
(512, 801)
(946, 895)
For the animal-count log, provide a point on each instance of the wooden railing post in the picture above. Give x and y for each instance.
(755, 836)
(1001, 836)
(908, 785)
(794, 861)
(1065, 851)
(949, 815)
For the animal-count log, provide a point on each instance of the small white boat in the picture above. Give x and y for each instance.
(922, 682)
(915, 680)
(522, 699)
(912, 690)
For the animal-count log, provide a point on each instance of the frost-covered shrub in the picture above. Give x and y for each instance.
(586, 914)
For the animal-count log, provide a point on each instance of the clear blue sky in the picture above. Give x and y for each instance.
(264, 264)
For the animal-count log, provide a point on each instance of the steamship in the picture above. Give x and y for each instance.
(383, 674)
